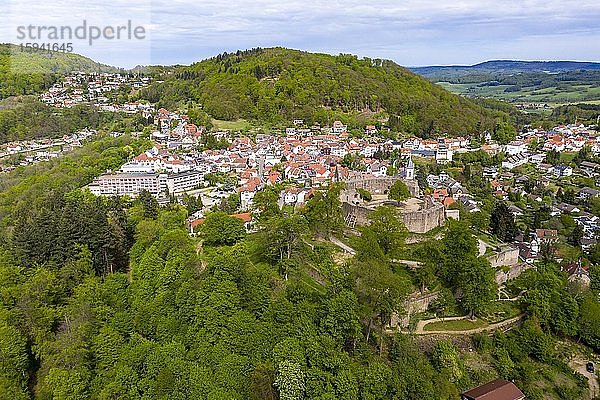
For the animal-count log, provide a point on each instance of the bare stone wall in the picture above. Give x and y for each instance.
(382, 185)
(359, 213)
(512, 272)
(424, 220)
(507, 256)
(420, 221)
(416, 303)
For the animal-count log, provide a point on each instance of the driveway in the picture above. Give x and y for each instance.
(578, 364)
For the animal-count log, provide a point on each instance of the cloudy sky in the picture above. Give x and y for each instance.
(410, 32)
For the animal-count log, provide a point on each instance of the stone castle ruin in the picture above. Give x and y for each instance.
(381, 185)
(419, 215)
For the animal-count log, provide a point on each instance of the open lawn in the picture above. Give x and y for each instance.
(566, 157)
(239, 125)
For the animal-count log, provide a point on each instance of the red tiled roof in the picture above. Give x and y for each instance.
(546, 233)
(246, 217)
(448, 201)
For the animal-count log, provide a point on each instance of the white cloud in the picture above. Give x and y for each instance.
(410, 32)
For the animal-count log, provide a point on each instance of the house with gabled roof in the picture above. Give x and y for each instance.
(498, 389)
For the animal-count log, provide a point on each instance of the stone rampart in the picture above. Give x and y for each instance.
(381, 185)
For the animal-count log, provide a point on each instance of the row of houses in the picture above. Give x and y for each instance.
(93, 89)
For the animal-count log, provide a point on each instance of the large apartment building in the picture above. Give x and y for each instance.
(131, 184)
(184, 181)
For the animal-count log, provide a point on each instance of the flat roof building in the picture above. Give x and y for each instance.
(130, 184)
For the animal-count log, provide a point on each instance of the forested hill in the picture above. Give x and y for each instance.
(24, 72)
(278, 85)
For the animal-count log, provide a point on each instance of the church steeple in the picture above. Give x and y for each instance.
(410, 169)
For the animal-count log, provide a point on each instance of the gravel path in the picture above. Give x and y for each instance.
(490, 328)
(578, 364)
(342, 245)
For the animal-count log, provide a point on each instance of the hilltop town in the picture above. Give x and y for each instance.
(103, 90)
(220, 167)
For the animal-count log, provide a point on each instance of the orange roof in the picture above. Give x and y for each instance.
(246, 217)
(448, 200)
(438, 193)
(197, 222)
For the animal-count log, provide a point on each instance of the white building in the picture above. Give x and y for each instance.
(339, 127)
(443, 154)
(246, 198)
(128, 184)
(515, 161)
(184, 181)
(562, 171)
(409, 171)
(516, 147)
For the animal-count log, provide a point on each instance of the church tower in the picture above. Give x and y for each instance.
(410, 169)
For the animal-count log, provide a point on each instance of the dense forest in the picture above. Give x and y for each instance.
(582, 113)
(25, 118)
(278, 85)
(124, 304)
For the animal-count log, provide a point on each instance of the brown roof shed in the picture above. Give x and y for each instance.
(499, 389)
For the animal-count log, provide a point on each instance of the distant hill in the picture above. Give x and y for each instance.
(23, 73)
(278, 85)
(504, 67)
(521, 82)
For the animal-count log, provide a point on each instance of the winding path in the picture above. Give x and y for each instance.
(349, 250)
(420, 330)
(342, 245)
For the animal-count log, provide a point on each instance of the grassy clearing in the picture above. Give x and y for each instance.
(566, 157)
(488, 239)
(456, 325)
(239, 125)
(313, 284)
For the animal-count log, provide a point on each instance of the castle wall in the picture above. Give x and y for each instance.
(382, 185)
(508, 256)
(415, 304)
(420, 221)
(424, 220)
(512, 272)
(359, 213)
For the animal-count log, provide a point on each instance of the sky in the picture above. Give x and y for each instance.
(410, 32)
